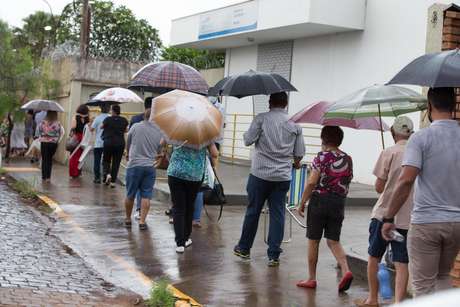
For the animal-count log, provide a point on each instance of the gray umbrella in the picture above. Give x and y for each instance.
(441, 69)
(42, 105)
(251, 83)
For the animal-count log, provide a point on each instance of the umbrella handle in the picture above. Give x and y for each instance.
(381, 127)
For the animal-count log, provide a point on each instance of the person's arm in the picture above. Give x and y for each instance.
(128, 142)
(313, 180)
(252, 135)
(213, 153)
(380, 185)
(381, 170)
(94, 124)
(299, 148)
(412, 164)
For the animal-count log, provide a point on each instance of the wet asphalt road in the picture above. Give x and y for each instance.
(208, 271)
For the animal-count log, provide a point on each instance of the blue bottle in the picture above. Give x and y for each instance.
(384, 282)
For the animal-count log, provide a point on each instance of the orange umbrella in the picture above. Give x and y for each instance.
(186, 118)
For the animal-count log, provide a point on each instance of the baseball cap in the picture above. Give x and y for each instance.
(403, 125)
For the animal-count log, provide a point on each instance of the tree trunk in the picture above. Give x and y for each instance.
(8, 137)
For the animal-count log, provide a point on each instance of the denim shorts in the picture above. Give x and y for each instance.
(378, 245)
(140, 179)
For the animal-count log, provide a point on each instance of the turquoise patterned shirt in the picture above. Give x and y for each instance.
(187, 163)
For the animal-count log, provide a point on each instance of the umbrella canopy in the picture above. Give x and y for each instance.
(186, 118)
(252, 83)
(114, 95)
(163, 77)
(441, 69)
(42, 105)
(377, 100)
(314, 114)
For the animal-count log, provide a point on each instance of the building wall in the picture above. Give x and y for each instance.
(329, 67)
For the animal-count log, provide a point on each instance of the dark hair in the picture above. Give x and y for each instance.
(148, 103)
(442, 98)
(278, 100)
(116, 109)
(105, 108)
(147, 114)
(83, 109)
(51, 116)
(332, 135)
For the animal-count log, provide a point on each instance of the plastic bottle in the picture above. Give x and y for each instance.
(384, 282)
(396, 236)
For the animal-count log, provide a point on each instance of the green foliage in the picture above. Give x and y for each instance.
(199, 59)
(24, 189)
(115, 32)
(33, 34)
(161, 295)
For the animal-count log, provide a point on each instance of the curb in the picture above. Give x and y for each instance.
(61, 213)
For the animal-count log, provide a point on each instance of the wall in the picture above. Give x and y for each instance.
(329, 67)
(212, 76)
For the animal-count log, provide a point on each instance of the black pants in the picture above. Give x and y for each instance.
(97, 163)
(47, 151)
(183, 194)
(111, 161)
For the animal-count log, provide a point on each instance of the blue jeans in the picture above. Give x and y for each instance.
(198, 207)
(259, 191)
(140, 180)
(97, 162)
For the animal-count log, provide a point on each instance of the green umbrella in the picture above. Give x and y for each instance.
(377, 100)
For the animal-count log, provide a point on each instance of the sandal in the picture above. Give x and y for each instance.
(128, 223)
(143, 226)
(310, 284)
(345, 283)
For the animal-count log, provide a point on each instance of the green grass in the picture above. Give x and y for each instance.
(24, 189)
(161, 296)
(2, 171)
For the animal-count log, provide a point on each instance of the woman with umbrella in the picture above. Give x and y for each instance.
(50, 132)
(79, 122)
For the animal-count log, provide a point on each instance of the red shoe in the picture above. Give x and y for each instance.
(345, 283)
(310, 284)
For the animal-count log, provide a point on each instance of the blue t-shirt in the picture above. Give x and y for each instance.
(99, 143)
(187, 163)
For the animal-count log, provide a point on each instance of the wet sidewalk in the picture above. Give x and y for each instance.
(92, 224)
(36, 269)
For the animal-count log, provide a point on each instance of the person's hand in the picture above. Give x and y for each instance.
(297, 164)
(301, 210)
(387, 228)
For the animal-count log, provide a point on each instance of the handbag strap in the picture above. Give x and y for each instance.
(221, 205)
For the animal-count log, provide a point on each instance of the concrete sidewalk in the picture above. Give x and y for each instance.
(92, 224)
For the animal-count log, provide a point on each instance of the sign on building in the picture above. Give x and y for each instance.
(228, 20)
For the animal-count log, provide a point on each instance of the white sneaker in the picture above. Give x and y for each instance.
(108, 179)
(188, 242)
(180, 249)
(137, 215)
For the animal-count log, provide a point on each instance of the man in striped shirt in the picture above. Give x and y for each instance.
(278, 143)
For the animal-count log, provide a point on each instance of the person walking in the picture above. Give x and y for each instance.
(326, 192)
(49, 132)
(431, 161)
(29, 125)
(79, 122)
(278, 142)
(134, 120)
(143, 144)
(96, 126)
(185, 175)
(115, 127)
(387, 171)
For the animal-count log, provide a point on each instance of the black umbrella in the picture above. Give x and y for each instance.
(251, 83)
(441, 69)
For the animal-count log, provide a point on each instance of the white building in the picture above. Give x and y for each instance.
(326, 48)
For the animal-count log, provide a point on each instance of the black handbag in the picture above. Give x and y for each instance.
(215, 197)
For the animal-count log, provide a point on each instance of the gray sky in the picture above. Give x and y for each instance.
(157, 12)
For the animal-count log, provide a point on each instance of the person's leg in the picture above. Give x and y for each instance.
(132, 184)
(116, 160)
(106, 161)
(97, 163)
(138, 201)
(335, 215)
(424, 247)
(192, 190)
(339, 254)
(450, 249)
(198, 207)
(52, 151)
(400, 259)
(44, 149)
(145, 191)
(257, 194)
(178, 198)
(276, 205)
(313, 250)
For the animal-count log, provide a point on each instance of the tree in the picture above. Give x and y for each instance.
(37, 33)
(115, 32)
(199, 59)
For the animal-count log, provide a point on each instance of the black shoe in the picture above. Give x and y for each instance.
(240, 253)
(97, 181)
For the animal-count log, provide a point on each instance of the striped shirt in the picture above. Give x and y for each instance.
(277, 141)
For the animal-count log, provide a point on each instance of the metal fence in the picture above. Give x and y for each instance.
(236, 125)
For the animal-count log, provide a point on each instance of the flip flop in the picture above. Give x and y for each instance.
(143, 226)
(345, 283)
(309, 284)
(128, 223)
